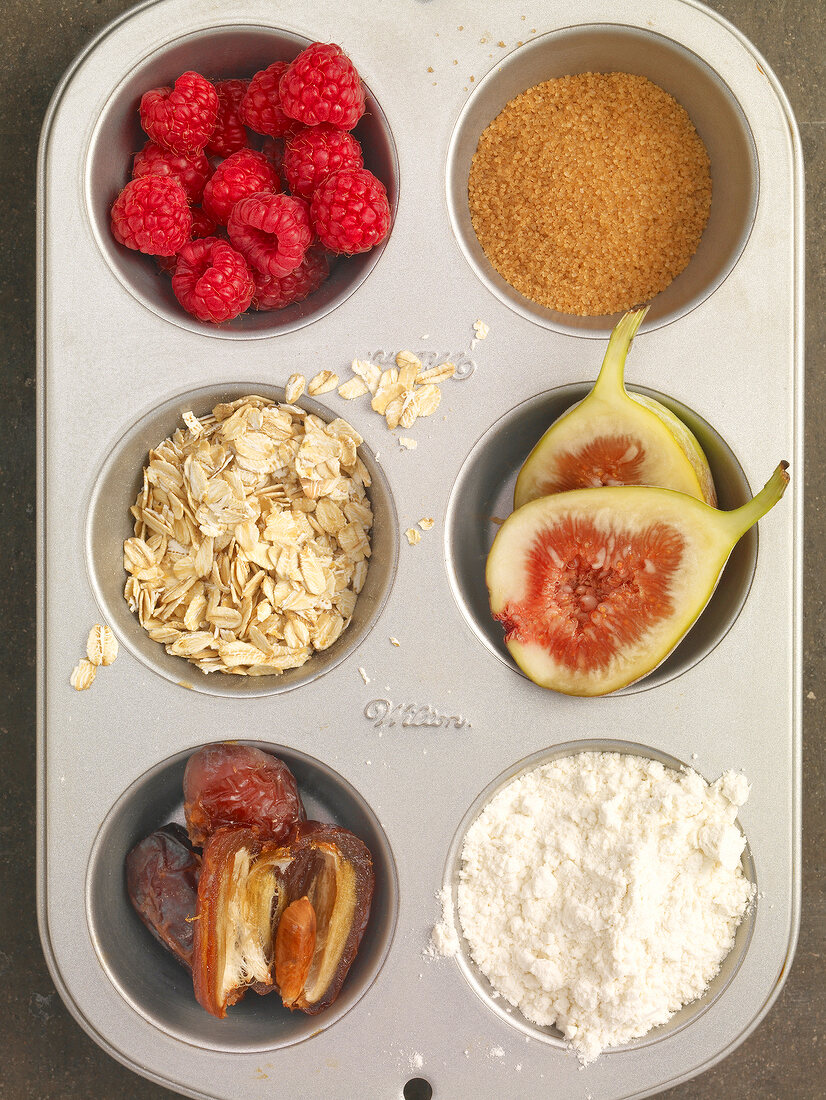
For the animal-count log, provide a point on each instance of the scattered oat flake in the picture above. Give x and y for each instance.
(294, 388)
(83, 675)
(436, 374)
(394, 641)
(364, 675)
(407, 444)
(413, 536)
(101, 645)
(355, 387)
(811, 695)
(368, 372)
(427, 399)
(427, 523)
(481, 329)
(323, 382)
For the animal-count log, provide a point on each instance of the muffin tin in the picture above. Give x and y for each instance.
(403, 758)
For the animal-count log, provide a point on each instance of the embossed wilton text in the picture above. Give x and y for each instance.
(384, 714)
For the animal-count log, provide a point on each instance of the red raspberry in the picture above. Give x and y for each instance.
(276, 292)
(229, 134)
(313, 153)
(202, 226)
(181, 118)
(350, 211)
(191, 170)
(272, 231)
(212, 280)
(261, 106)
(152, 215)
(244, 173)
(273, 150)
(322, 85)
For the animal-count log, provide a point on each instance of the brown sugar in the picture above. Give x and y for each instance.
(590, 193)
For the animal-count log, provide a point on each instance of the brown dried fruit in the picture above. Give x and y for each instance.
(230, 784)
(240, 901)
(162, 874)
(334, 870)
(295, 944)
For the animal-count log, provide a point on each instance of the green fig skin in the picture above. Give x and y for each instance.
(559, 569)
(613, 437)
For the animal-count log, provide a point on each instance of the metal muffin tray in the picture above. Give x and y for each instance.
(445, 718)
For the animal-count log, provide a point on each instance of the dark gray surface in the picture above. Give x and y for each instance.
(45, 1054)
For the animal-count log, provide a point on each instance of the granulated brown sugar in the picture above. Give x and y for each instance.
(590, 193)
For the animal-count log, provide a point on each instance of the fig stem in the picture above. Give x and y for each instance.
(611, 378)
(741, 519)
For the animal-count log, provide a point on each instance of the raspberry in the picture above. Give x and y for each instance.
(276, 292)
(322, 85)
(229, 134)
(152, 215)
(313, 153)
(244, 173)
(350, 211)
(202, 226)
(261, 106)
(181, 118)
(212, 280)
(191, 170)
(272, 231)
(273, 150)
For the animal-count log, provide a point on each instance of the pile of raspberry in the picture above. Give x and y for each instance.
(248, 190)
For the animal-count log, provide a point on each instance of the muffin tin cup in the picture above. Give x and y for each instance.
(399, 738)
(495, 1001)
(484, 490)
(220, 53)
(154, 983)
(711, 106)
(109, 523)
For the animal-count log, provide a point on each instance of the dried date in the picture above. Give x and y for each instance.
(162, 874)
(240, 901)
(230, 784)
(333, 869)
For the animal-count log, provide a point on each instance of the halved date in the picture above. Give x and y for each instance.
(162, 881)
(240, 901)
(229, 784)
(333, 870)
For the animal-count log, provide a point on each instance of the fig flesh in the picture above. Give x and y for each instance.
(613, 437)
(596, 587)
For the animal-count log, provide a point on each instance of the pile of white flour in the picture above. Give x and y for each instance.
(601, 892)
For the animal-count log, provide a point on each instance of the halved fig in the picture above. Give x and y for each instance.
(613, 437)
(162, 874)
(333, 871)
(596, 587)
(230, 784)
(240, 900)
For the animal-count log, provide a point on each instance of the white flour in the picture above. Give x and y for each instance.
(601, 892)
(443, 937)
